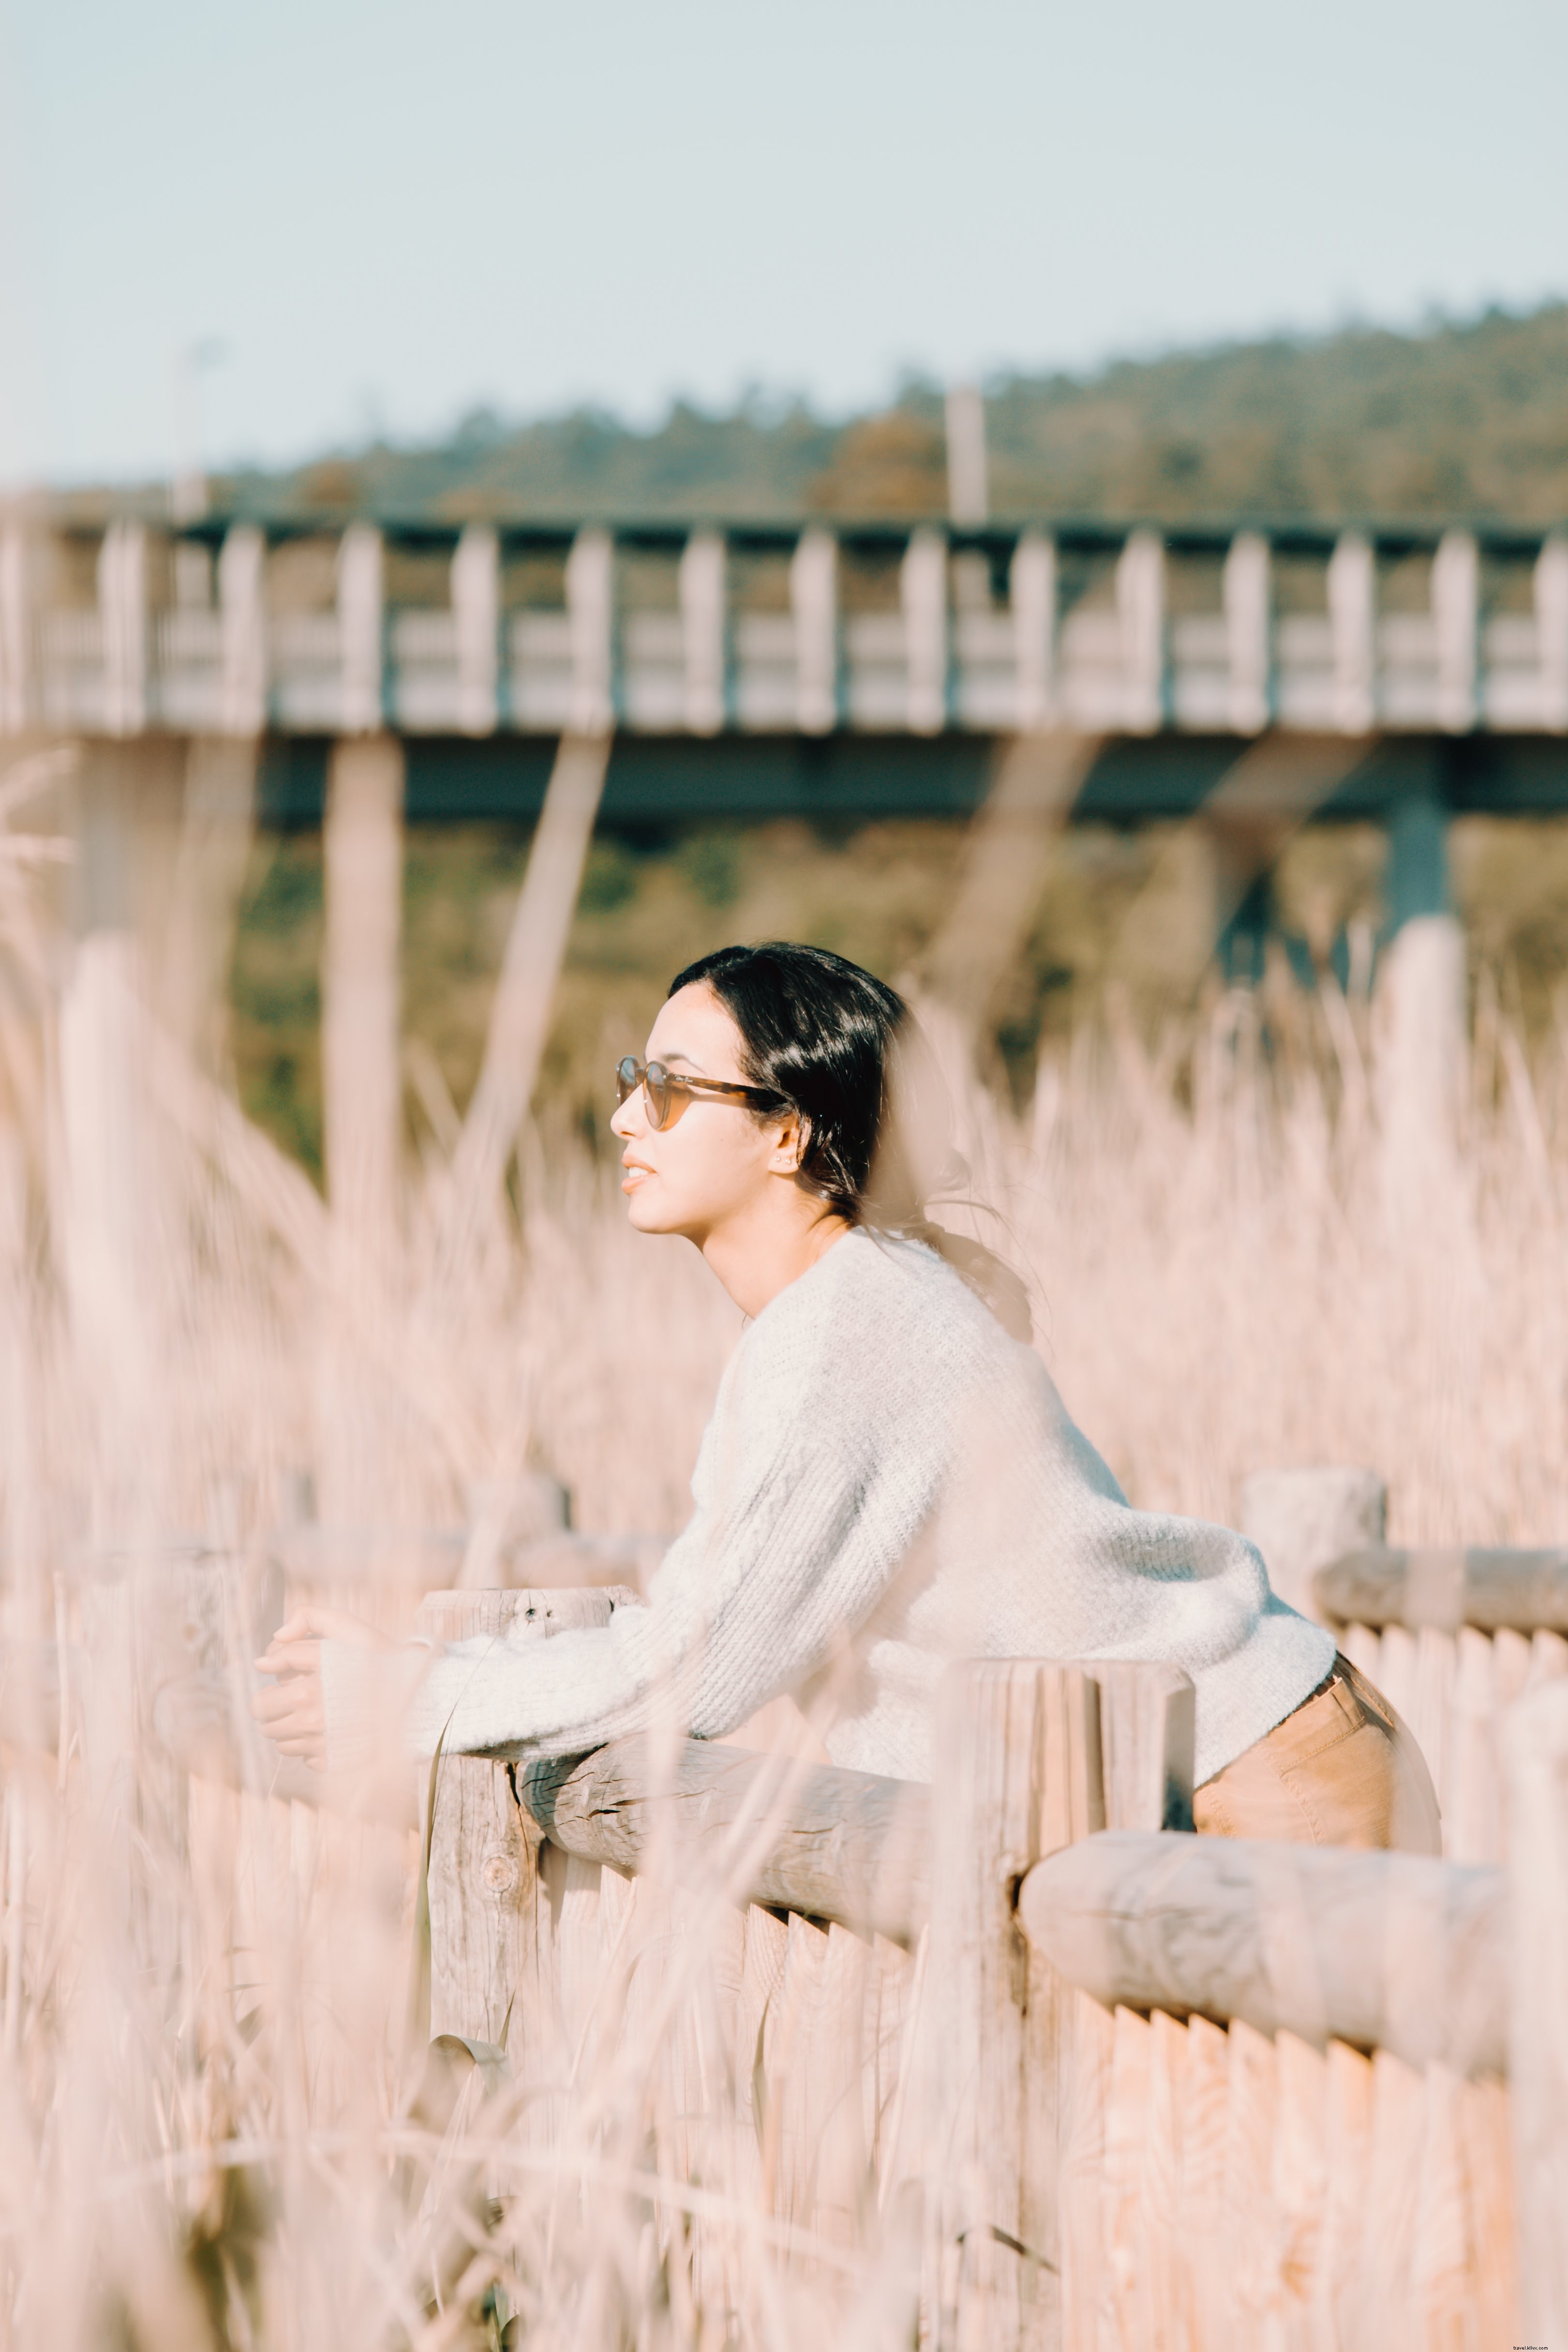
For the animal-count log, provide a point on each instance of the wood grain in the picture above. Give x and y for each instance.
(1019, 1745)
(845, 1847)
(1536, 1762)
(1388, 1950)
(1445, 1590)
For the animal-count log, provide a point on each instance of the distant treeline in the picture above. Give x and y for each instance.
(1467, 419)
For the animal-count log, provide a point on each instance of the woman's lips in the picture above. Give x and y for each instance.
(635, 1171)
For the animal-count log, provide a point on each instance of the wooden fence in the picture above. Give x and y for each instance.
(1119, 2088)
(1452, 1639)
(1052, 2070)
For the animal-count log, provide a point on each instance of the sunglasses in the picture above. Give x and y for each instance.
(662, 1086)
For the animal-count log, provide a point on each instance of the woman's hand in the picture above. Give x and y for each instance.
(293, 1713)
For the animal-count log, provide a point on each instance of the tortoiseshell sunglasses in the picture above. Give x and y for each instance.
(661, 1087)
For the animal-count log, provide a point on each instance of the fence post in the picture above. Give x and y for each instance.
(1033, 1757)
(488, 1950)
(1536, 1748)
(1302, 1520)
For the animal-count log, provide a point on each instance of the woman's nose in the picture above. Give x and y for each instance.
(625, 1118)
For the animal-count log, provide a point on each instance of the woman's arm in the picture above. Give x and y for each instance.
(821, 1461)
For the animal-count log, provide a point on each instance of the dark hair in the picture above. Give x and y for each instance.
(843, 1049)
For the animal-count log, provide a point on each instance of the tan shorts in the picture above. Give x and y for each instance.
(1341, 1770)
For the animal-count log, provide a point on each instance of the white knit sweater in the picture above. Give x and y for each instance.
(888, 1483)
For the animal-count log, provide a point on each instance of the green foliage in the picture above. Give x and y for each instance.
(274, 993)
(1133, 914)
(1457, 418)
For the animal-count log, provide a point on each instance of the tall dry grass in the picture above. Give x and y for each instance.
(212, 2125)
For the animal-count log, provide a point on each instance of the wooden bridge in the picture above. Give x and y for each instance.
(760, 667)
(370, 675)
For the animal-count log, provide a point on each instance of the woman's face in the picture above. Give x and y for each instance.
(715, 1161)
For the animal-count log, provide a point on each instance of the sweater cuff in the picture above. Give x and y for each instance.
(365, 1696)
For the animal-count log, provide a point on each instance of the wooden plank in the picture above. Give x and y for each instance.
(1361, 1646)
(841, 1846)
(764, 1944)
(1146, 1728)
(1471, 1797)
(1019, 1745)
(1435, 1666)
(826, 2097)
(1128, 2307)
(1395, 1675)
(788, 2138)
(1444, 2277)
(1385, 1951)
(1484, 2141)
(1168, 2301)
(1204, 2131)
(1536, 1765)
(1512, 1655)
(1086, 2043)
(890, 2016)
(1389, 2222)
(1548, 1657)
(578, 1955)
(1344, 2301)
(1245, 2201)
(1300, 2186)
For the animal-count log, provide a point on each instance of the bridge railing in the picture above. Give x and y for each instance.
(674, 631)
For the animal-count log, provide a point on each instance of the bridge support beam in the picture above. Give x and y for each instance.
(1421, 986)
(360, 1071)
(125, 803)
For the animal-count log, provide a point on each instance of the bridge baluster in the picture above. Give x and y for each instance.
(1031, 588)
(814, 600)
(1456, 614)
(360, 629)
(123, 614)
(1249, 628)
(476, 613)
(1552, 631)
(16, 632)
(924, 583)
(1353, 627)
(590, 610)
(242, 570)
(703, 634)
(1141, 607)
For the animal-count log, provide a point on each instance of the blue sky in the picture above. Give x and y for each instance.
(387, 212)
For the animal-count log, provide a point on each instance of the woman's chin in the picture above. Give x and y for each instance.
(646, 1213)
(642, 1212)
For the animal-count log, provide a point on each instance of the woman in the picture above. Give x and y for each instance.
(889, 1480)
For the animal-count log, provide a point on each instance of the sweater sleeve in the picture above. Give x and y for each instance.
(821, 1461)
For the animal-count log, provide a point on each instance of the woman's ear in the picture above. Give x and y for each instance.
(794, 1141)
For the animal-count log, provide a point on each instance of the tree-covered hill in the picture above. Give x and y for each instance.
(1457, 419)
